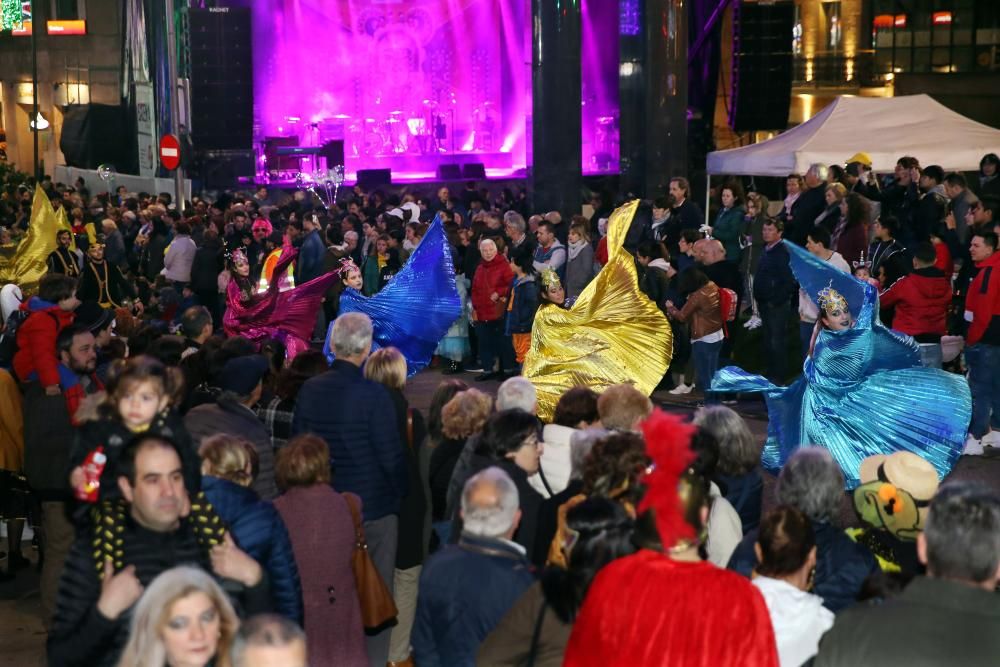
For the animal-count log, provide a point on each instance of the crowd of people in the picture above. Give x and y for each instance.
(201, 496)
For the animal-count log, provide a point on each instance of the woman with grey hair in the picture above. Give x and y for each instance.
(812, 482)
(738, 473)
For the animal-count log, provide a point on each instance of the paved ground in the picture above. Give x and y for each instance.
(22, 637)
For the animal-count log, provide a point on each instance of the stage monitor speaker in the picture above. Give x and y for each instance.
(762, 65)
(374, 177)
(475, 170)
(223, 170)
(449, 172)
(221, 49)
(333, 152)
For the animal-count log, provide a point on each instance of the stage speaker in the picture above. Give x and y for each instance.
(449, 172)
(333, 152)
(374, 177)
(221, 62)
(476, 170)
(221, 170)
(762, 65)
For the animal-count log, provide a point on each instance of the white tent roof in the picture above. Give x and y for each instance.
(886, 128)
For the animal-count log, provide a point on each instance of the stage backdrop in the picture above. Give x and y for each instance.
(408, 83)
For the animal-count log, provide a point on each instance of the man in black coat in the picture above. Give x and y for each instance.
(774, 287)
(94, 601)
(809, 205)
(684, 215)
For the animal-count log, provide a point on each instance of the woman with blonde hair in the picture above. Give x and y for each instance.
(387, 366)
(183, 619)
(227, 473)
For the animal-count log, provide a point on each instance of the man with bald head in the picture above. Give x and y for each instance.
(466, 588)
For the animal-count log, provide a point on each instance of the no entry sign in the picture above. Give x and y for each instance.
(170, 152)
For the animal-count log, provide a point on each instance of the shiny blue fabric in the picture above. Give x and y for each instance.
(414, 311)
(862, 392)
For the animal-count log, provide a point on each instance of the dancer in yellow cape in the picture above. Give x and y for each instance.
(612, 334)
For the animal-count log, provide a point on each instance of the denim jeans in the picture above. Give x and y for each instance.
(984, 381)
(775, 318)
(706, 362)
(930, 355)
(493, 344)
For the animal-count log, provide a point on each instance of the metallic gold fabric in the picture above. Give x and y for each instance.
(612, 334)
(28, 264)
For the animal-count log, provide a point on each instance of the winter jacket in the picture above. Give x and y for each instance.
(553, 257)
(655, 283)
(36, 341)
(921, 300)
(521, 306)
(852, 242)
(309, 265)
(774, 282)
(809, 206)
(464, 592)
(81, 635)
(410, 547)
(356, 417)
(983, 301)
(228, 416)
(702, 312)
(258, 530)
(579, 270)
(728, 228)
(746, 494)
(510, 643)
(48, 437)
(178, 259)
(206, 266)
(929, 211)
(841, 565)
(155, 252)
(491, 277)
(798, 617)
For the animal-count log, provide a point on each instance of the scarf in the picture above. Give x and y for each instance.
(575, 248)
(789, 201)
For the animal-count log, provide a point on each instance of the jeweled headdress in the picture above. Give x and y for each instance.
(550, 279)
(346, 266)
(830, 299)
(238, 256)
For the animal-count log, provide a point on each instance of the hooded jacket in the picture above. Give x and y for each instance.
(983, 302)
(36, 341)
(921, 301)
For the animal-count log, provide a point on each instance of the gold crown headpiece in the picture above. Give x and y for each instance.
(830, 299)
(550, 279)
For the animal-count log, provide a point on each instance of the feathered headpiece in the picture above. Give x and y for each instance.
(237, 256)
(346, 266)
(668, 444)
(830, 299)
(550, 278)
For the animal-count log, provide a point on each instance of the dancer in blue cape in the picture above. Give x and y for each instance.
(862, 390)
(414, 311)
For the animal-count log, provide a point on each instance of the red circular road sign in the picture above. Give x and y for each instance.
(170, 152)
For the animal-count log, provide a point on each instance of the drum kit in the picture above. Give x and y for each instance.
(420, 132)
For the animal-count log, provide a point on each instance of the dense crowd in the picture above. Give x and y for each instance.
(200, 499)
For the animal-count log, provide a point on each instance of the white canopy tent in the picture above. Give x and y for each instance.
(886, 128)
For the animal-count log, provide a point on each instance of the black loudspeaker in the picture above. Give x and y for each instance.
(373, 177)
(222, 170)
(221, 49)
(762, 65)
(474, 170)
(92, 135)
(449, 172)
(333, 152)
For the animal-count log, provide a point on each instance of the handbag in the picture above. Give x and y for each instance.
(377, 605)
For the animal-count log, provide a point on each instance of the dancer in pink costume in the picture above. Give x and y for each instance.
(288, 316)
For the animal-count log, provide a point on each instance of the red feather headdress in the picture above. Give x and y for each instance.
(668, 444)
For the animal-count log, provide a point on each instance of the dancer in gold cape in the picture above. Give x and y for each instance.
(27, 266)
(611, 335)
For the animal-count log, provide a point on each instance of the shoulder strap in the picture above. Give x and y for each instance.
(536, 635)
(359, 532)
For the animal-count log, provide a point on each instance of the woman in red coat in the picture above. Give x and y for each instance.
(321, 529)
(665, 605)
(490, 287)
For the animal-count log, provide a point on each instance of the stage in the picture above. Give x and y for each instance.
(417, 85)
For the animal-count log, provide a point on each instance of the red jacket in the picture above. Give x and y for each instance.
(921, 300)
(943, 260)
(36, 341)
(983, 301)
(493, 276)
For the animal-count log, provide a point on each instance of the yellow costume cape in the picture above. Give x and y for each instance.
(27, 266)
(613, 334)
